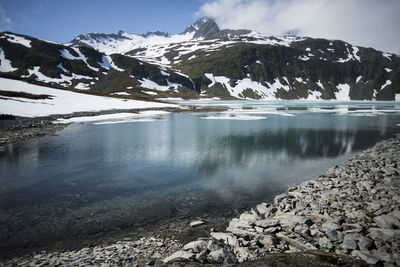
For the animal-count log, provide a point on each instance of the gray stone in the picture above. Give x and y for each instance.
(279, 198)
(241, 224)
(385, 235)
(243, 254)
(248, 217)
(349, 243)
(325, 243)
(213, 245)
(297, 243)
(367, 257)
(334, 235)
(180, 254)
(383, 254)
(266, 223)
(196, 246)
(388, 221)
(329, 225)
(225, 237)
(267, 241)
(288, 221)
(222, 256)
(196, 223)
(265, 209)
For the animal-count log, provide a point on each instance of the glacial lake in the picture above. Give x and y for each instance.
(109, 176)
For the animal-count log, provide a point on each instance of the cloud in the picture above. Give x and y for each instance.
(5, 21)
(370, 23)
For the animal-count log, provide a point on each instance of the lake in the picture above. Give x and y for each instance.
(109, 176)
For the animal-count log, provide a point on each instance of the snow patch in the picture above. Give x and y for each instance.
(344, 92)
(314, 95)
(62, 101)
(5, 64)
(120, 93)
(388, 82)
(147, 83)
(150, 92)
(82, 86)
(300, 80)
(358, 79)
(387, 55)
(18, 40)
(388, 70)
(320, 84)
(303, 57)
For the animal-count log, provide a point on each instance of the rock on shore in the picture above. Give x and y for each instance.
(354, 209)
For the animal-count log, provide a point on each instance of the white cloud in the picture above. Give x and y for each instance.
(5, 21)
(370, 23)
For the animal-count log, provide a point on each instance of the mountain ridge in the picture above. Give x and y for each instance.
(205, 61)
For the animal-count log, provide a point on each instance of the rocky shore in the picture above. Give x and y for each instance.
(349, 216)
(353, 209)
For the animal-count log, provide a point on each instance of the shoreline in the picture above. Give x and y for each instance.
(17, 129)
(345, 211)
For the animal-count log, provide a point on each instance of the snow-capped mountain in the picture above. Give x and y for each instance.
(205, 61)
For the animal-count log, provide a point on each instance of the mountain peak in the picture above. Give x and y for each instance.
(197, 25)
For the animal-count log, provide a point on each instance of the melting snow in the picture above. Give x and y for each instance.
(308, 49)
(358, 79)
(5, 64)
(320, 84)
(344, 92)
(314, 95)
(63, 101)
(388, 70)
(18, 40)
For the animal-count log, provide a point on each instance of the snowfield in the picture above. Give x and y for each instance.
(61, 101)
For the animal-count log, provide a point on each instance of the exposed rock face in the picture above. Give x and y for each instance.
(353, 209)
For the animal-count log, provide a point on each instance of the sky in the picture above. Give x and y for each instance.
(369, 23)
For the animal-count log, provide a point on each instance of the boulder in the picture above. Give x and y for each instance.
(196, 246)
(225, 237)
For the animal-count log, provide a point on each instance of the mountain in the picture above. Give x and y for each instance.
(205, 61)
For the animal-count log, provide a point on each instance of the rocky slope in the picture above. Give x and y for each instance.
(205, 61)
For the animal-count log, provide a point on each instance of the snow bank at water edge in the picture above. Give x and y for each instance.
(62, 101)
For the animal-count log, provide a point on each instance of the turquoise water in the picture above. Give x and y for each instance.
(94, 178)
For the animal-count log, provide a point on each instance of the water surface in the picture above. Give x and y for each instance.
(95, 178)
